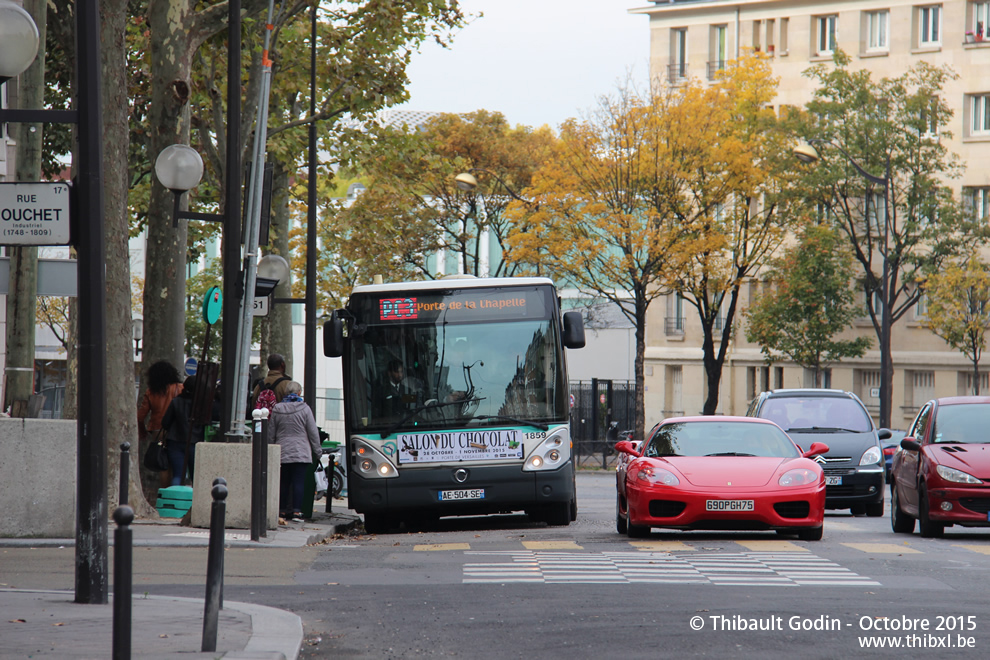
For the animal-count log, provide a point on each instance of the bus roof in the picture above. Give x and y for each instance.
(453, 283)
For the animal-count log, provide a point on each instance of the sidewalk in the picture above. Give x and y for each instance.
(49, 624)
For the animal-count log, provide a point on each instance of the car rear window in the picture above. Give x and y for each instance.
(720, 438)
(809, 413)
(962, 423)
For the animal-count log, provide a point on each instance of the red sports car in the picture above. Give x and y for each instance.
(942, 475)
(720, 473)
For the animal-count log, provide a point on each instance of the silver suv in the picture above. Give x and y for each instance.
(854, 464)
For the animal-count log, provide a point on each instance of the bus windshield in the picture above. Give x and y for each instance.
(474, 357)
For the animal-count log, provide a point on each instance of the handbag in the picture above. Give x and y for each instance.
(321, 478)
(156, 458)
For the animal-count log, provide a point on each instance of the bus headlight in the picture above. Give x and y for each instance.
(550, 454)
(372, 463)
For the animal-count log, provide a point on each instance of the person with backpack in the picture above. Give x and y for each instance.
(293, 427)
(275, 383)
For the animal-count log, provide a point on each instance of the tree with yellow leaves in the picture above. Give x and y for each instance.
(675, 190)
(959, 309)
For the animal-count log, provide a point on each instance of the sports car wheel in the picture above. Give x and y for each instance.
(875, 509)
(620, 520)
(900, 522)
(926, 527)
(812, 534)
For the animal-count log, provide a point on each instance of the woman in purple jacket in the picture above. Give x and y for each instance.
(293, 427)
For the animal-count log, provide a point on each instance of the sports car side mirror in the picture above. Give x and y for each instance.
(627, 447)
(816, 449)
(911, 444)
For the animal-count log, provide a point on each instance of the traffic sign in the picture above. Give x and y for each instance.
(35, 213)
(191, 366)
(212, 305)
(262, 305)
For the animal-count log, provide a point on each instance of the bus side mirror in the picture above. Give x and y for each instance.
(333, 336)
(573, 330)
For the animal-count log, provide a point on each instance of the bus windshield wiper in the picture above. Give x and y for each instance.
(415, 411)
(525, 422)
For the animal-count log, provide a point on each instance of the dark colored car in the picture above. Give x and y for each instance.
(854, 464)
(941, 476)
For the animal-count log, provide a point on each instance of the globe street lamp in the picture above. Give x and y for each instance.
(806, 153)
(467, 182)
(180, 168)
(18, 40)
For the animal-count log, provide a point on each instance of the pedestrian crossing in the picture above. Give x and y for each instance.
(785, 569)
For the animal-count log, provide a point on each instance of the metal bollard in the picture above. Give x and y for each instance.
(125, 469)
(123, 542)
(259, 460)
(220, 481)
(214, 569)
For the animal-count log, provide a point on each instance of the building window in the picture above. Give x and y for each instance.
(757, 35)
(868, 386)
(825, 29)
(967, 382)
(718, 50)
(978, 201)
(784, 24)
(979, 18)
(674, 321)
(922, 387)
(979, 114)
(771, 28)
(678, 54)
(809, 378)
(921, 307)
(929, 25)
(877, 213)
(876, 30)
(929, 119)
(757, 380)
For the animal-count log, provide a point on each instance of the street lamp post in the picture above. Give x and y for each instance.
(17, 52)
(806, 152)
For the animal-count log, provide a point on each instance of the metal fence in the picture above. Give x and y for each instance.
(602, 409)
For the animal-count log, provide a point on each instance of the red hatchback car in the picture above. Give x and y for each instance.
(941, 476)
(739, 473)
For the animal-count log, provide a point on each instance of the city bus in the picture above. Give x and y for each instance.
(456, 399)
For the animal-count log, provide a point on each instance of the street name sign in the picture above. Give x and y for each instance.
(34, 213)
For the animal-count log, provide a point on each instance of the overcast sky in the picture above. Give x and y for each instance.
(535, 61)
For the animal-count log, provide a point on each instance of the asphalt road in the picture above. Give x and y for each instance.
(502, 587)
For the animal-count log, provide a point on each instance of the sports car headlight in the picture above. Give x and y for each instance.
(549, 454)
(956, 476)
(871, 456)
(657, 476)
(799, 477)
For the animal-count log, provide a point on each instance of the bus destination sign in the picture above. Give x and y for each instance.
(469, 305)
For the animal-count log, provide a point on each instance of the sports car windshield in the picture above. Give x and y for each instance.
(720, 438)
(963, 423)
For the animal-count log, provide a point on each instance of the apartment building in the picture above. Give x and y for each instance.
(695, 39)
